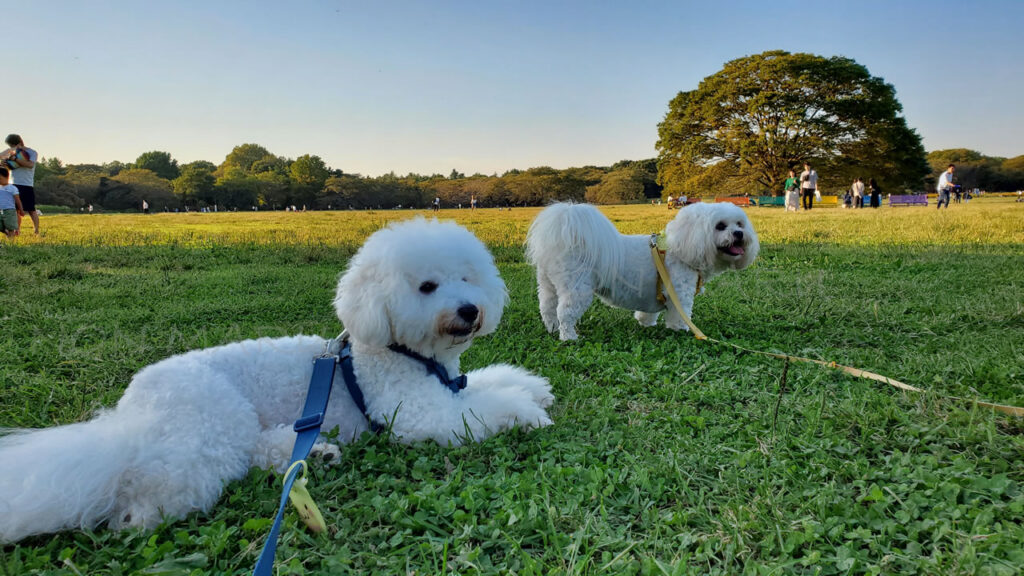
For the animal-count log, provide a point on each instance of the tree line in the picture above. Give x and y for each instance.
(739, 132)
(251, 177)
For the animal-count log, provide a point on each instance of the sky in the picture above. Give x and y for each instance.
(479, 86)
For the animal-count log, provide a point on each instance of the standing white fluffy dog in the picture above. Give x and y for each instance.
(578, 253)
(188, 425)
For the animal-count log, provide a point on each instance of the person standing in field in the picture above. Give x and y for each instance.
(876, 193)
(10, 205)
(808, 185)
(145, 207)
(944, 185)
(22, 163)
(472, 202)
(858, 193)
(791, 190)
(437, 204)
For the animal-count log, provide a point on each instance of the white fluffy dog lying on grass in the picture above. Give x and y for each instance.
(578, 253)
(188, 425)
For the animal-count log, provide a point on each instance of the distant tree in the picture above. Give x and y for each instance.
(648, 172)
(621, 186)
(271, 164)
(1010, 175)
(746, 125)
(242, 192)
(973, 169)
(243, 157)
(200, 165)
(115, 167)
(455, 175)
(160, 163)
(47, 167)
(196, 184)
(1015, 164)
(272, 189)
(309, 171)
(129, 188)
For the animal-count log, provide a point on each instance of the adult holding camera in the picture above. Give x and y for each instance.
(21, 160)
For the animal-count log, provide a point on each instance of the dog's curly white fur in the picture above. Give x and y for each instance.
(578, 254)
(188, 425)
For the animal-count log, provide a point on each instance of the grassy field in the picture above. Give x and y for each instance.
(668, 456)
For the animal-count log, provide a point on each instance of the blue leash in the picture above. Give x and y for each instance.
(308, 429)
(308, 425)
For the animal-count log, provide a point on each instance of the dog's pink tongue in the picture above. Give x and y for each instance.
(736, 250)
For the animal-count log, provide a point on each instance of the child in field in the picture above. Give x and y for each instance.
(10, 204)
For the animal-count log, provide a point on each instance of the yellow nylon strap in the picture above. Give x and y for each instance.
(659, 263)
(857, 372)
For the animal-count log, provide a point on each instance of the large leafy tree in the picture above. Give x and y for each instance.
(310, 171)
(744, 127)
(243, 157)
(160, 163)
(195, 184)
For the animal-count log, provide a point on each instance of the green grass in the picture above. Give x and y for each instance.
(668, 456)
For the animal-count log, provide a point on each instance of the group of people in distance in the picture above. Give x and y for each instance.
(854, 196)
(806, 187)
(17, 196)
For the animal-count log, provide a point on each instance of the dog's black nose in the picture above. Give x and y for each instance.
(468, 312)
(737, 234)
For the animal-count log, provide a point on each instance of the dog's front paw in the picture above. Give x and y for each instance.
(646, 318)
(676, 325)
(540, 391)
(529, 416)
(505, 377)
(325, 453)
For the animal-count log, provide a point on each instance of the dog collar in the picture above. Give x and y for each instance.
(348, 374)
(433, 367)
(659, 241)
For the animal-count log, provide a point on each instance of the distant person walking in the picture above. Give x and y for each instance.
(808, 185)
(10, 205)
(437, 204)
(944, 185)
(858, 193)
(145, 207)
(876, 193)
(21, 160)
(791, 190)
(472, 202)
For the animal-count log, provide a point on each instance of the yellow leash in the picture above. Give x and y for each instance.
(659, 263)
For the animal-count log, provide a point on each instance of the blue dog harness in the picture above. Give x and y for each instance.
(308, 425)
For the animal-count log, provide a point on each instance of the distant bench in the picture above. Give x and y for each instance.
(737, 200)
(770, 201)
(908, 200)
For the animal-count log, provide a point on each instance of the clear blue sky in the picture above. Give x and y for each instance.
(479, 86)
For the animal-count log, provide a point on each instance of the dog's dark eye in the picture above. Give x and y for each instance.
(428, 287)
(720, 226)
(740, 224)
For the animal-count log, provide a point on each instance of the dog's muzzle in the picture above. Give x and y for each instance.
(734, 249)
(466, 321)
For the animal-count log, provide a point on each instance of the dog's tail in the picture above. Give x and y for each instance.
(64, 477)
(576, 235)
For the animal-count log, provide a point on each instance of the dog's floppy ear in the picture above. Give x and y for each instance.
(691, 239)
(361, 303)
